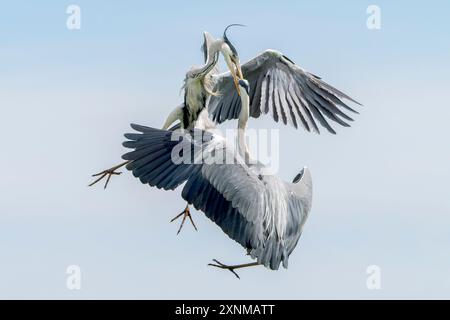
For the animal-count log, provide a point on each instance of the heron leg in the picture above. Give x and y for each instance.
(108, 173)
(220, 265)
(186, 213)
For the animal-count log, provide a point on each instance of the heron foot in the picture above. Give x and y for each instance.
(107, 174)
(186, 214)
(220, 265)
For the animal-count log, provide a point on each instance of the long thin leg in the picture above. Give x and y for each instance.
(186, 214)
(232, 268)
(108, 173)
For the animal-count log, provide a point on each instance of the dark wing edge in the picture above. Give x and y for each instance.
(286, 91)
(222, 191)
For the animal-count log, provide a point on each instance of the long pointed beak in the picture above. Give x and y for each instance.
(237, 75)
(239, 70)
(236, 84)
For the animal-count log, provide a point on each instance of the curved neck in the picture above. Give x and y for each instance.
(213, 58)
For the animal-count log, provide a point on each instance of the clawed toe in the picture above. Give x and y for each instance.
(186, 214)
(224, 266)
(220, 265)
(108, 173)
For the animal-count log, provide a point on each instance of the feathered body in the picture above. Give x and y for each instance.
(199, 83)
(261, 212)
(195, 98)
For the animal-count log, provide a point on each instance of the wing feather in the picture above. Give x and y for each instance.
(257, 212)
(286, 91)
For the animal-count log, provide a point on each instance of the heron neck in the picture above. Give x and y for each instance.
(242, 126)
(208, 66)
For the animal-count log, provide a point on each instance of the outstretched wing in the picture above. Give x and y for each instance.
(279, 87)
(165, 160)
(255, 212)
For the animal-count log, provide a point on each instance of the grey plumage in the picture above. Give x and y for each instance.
(286, 91)
(262, 213)
(198, 82)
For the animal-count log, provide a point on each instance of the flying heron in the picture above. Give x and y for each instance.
(198, 88)
(261, 212)
(277, 86)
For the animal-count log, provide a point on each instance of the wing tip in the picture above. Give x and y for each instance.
(354, 101)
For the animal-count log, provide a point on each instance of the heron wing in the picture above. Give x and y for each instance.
(299, 206)
(199, 192)
(151, 160)
(196, 152)
(256, 212)
(289, 93)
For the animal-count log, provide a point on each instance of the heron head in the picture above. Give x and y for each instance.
(208, 46)
(231, 57)
(244, 87)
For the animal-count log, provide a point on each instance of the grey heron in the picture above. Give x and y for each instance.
(261, 212)
(277, 86)
(197, 87)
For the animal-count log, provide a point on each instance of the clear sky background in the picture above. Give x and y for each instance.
(381, 187)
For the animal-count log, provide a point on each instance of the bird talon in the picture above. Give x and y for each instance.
(186, 214)
(220, 265)
(108, 173)
(177, 217)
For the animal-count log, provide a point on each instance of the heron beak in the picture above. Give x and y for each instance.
(237, 74)
(239, 70)
(235, 70)
(236, 84)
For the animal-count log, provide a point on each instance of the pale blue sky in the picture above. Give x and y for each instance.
(381, 187)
